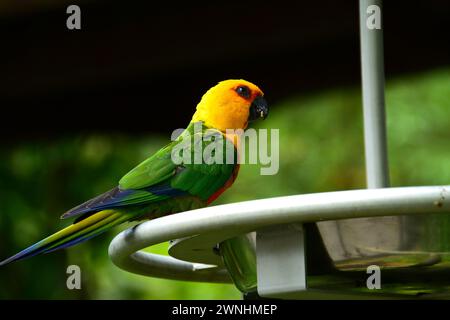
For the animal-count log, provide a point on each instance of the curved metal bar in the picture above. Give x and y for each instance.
(222, 222)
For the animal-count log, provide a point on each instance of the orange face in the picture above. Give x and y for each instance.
(231, 104)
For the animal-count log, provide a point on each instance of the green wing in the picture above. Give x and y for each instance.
(154, 170)
(201, 179)
(160, 178)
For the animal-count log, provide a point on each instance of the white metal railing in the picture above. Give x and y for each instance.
(215, 224)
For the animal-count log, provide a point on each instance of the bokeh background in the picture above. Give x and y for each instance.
(81, 108)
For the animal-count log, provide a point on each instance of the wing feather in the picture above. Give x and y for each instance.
(159, 178)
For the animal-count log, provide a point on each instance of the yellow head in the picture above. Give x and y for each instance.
(231, 104)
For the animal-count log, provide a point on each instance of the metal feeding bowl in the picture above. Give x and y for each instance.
(389, 242)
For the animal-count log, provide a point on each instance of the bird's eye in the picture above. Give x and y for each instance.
(243, 91)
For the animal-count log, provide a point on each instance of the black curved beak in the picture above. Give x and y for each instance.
(258, 109)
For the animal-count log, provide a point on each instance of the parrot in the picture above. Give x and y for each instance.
(159, 186)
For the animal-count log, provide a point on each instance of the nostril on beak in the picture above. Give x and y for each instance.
(259, 109)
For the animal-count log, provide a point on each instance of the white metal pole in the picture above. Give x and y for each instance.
(372, 66)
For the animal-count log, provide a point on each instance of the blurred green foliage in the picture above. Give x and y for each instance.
(321, 149)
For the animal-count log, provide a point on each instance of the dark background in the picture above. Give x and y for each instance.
(132, 64)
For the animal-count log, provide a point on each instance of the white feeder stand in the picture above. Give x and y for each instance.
(401, 230)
